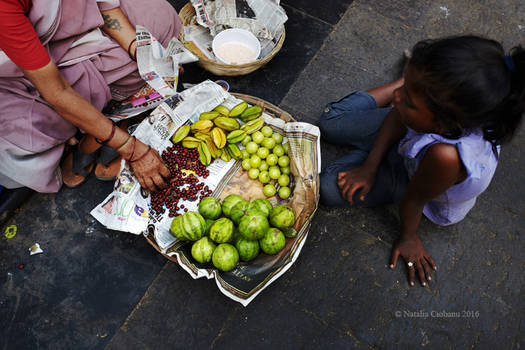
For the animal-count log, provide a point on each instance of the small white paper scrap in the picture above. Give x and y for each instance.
(35, 249)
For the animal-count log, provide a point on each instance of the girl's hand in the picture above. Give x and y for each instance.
(150, 170)
(416, 257)
(352, 180)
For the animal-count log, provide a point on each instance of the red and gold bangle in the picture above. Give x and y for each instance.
(132, 149)
(113, 128)
(123, 143)
(142, 156)
(129, 50)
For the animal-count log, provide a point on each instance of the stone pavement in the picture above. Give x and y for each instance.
(95, 288)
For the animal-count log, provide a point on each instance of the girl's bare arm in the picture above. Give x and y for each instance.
(440, 168)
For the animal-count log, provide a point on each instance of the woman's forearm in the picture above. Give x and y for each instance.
(117, 26)
(74, 108)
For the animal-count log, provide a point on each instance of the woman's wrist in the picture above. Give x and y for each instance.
(129, 149)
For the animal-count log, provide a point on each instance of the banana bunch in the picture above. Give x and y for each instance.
(216, 133)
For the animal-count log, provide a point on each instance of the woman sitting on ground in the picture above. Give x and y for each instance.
(61, 63)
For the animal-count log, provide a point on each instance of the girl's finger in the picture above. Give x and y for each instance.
(393, 258)
(426, 268)
(411, 275)
(420, 273)
(431, 261)
(350, 194)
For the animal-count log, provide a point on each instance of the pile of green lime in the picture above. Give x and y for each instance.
(265, 158)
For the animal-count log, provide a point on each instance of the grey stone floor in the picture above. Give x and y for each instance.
(95, 288)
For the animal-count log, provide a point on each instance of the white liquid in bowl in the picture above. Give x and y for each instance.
(235, 53)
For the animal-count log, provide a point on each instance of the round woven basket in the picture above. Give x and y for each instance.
(186, 15)
(268, 108)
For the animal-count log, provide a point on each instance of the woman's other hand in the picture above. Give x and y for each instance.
(416, 257)
(351, 181)
(150, 170)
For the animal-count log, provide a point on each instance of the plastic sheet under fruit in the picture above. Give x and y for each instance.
(127, 207)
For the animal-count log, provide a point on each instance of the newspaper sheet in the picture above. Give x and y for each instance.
(201, 39)
(127, 207)
(144, 100)
(264, 18)
(159, 66)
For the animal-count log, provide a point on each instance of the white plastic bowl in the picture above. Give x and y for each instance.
(236, 36)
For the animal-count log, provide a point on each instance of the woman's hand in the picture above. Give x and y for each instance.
(351, 181)
(416, 257)
(150, 170)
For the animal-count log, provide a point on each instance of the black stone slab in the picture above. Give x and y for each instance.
(327, 78)
(176, 312)
(411, 12)
(304, 36)
(459, 17)
(80, 290)
(184, 313)
(328, 11)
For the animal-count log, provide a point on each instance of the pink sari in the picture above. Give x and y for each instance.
(32, 134)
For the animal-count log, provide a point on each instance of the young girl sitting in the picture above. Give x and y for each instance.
(436, 149)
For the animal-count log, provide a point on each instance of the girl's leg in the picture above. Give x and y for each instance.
(352, 121)
(355, 119)
(389, 187)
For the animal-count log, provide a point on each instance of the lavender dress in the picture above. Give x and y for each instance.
(32, 134)
(480, 159)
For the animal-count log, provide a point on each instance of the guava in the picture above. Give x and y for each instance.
(225, 257)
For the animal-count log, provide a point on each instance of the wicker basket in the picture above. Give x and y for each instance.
(268, 108)
(187, 13)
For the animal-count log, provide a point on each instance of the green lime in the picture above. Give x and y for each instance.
(269, 190)
(284, 192)
(257, 137)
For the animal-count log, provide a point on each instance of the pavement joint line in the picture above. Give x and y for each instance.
(123, 326)
(312, 314)
(307, 14)
(334, 28)
(363, 3)
(224, 327)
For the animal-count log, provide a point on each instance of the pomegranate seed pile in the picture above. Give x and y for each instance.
(181, 187)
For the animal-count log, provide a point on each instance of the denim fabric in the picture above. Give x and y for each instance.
(355, 121)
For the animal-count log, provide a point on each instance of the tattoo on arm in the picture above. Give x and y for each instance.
(111, 23)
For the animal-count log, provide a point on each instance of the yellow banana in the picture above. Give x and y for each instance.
(202, 126)
(222, 110)
(218, 136)
(191, 142)
(251, 113)
(181, 133)
(238, 109)
(204, 154)
(209, 115)
(253, 126)
(234, 151)
(225, 155)
(227, 123)
(236, 136)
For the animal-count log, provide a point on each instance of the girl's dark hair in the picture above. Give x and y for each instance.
(467, 84)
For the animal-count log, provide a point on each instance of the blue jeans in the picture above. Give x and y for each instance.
(355, 121)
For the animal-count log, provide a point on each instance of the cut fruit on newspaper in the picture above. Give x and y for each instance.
(215, 162)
